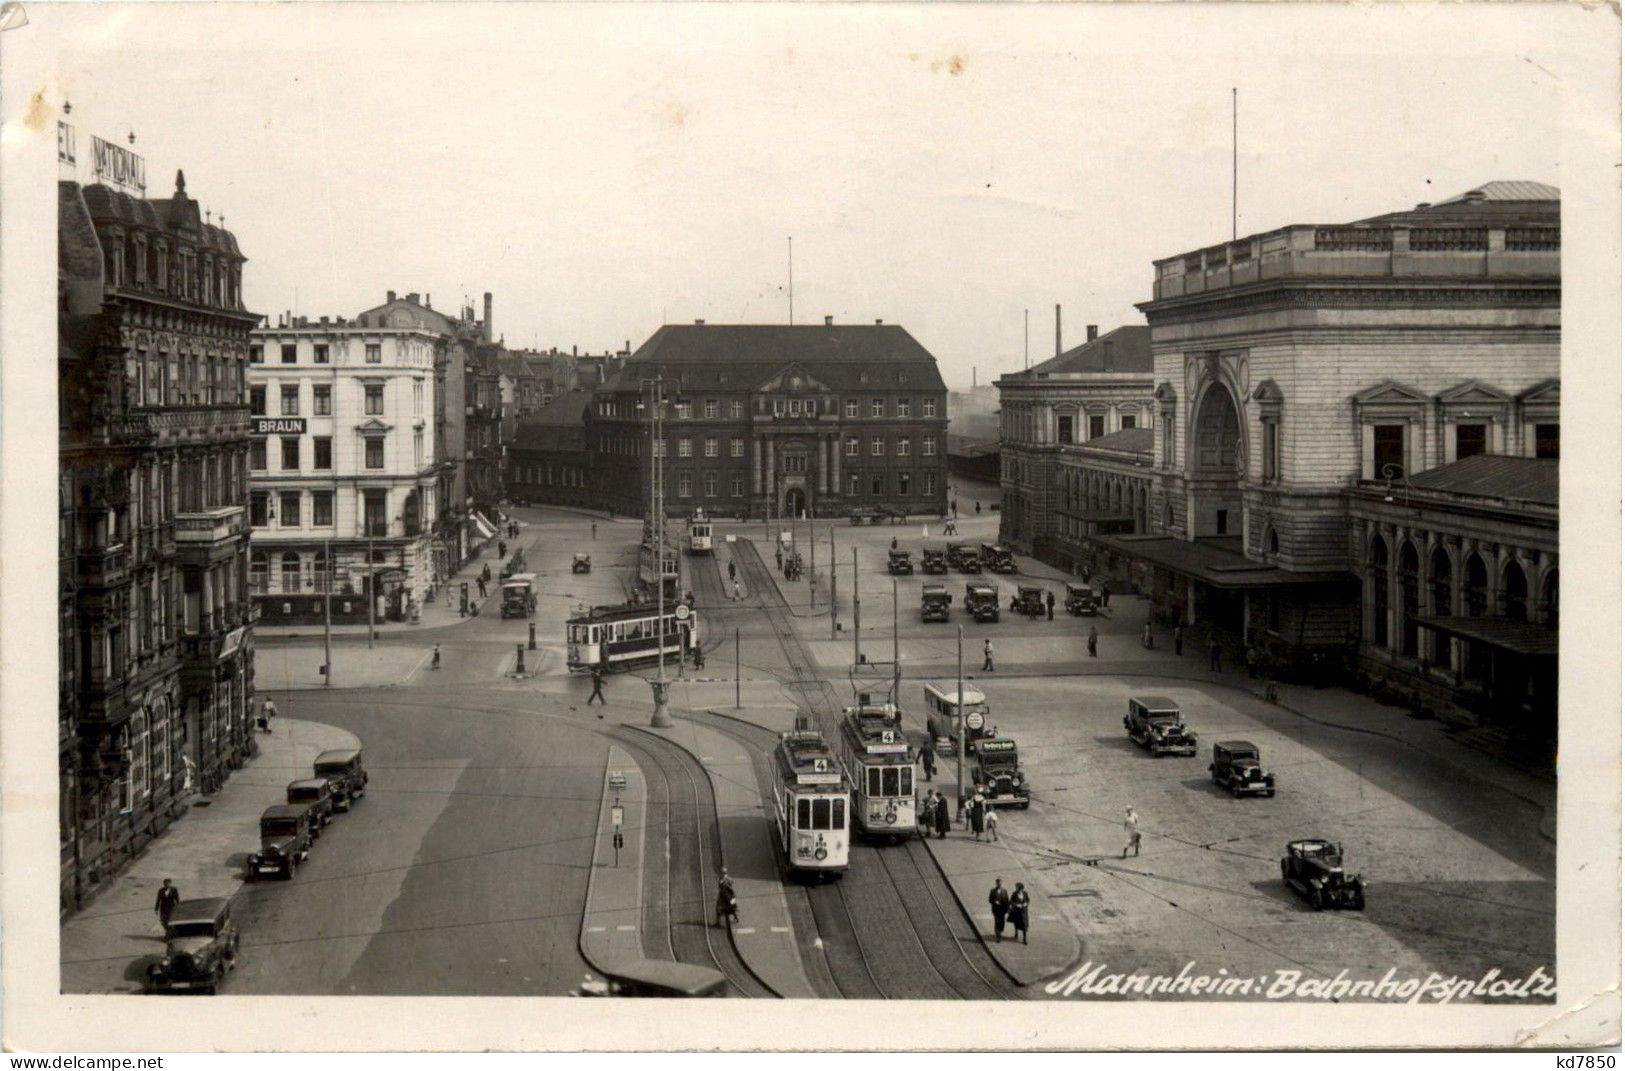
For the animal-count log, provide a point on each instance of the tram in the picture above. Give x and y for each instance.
(810, 805)
(699, 533)
(942, 713)
(875, 753)
(618, 636)
(647, 572)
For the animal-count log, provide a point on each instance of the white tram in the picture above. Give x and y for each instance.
(877, 760)
(647, 572)
(810, 805)
(943, 711)
(617, 636)
(699, 533)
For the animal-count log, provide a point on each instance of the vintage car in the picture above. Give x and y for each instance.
(898, 563)
(581, 564)
(317, 794)
(1313, 868)
(519, 595)
(997, 558)
(935, 603)
(1236, 766)
(934, 562)
(963, 557)
(344, 771)
(1028, 600)
(1154, 722)
(285, 836)
(982, 601)
(655, 978)
(995, 771)
(1082, 600)
(200, 946)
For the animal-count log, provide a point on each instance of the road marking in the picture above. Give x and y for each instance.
(744, 929)
(595, 929)
(780, 929)
(623, 929)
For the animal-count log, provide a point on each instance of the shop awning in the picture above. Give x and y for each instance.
(483, 526)
(1218, 562)
(1519, 637)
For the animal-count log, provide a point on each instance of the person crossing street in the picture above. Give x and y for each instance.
(1049, 604)
(597, 686)
(1094, 638)
(1131, 830)
(987, 656)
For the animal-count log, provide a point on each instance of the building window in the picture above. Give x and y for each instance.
(710, 448)
(854, 484)
(1063, 428)
(375, 399)
(256, 354)
(290, 510)
(375, 513)
(877, 447)
(1126, 421)
(928, 484)
(710, 410)
(290, 453)
(256, 401)
(928, 446)
(1388, 450)
(902, 484)
(290, 353)
(903, 445)
(852, 446)
(321, 398)
(736, 409)
(256, 454)
(904, 408)
(1470, 440)
(290, 399)
(877, 485)
(321, 353)
(375, 452)
(324, 452)
(1272, 451)
(1097, 425)
(321, 508)
(928, 408)
(138, 755)
(684, 485)
(851, 409)
(736, 448)
(795, 463)
(1379, 592)
(684, 410)
(1546, 440)
(877, 408)
(685, 447)
(375, 353)
(259, 512)
(710, 485)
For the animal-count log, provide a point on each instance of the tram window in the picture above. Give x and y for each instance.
(803, 814)
(839, 820)
(821, 813)
(890, 782)
(874, 780)
(592, 634)
(905, 781)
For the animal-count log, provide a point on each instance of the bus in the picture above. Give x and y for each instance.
(942, 711)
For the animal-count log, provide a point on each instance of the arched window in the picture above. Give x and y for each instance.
(1514, 592)
(1410, 589)
(1548, 599)
(139, 756)
(1217, 433)
(290, 571)
(1379, 592)
(1439, 582)
(1272, 541)
(1475, 587)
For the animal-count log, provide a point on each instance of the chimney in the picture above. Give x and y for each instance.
(699, 323)
(573, 350)
(426, 302)
(488, 316)
(1057, 330)
(391, 294)
(1093, 331)
(829, 321)
(412, 297)
(324, 321)
(878, 321)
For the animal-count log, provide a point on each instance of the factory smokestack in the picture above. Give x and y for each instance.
(1057, 330)
(488, 335)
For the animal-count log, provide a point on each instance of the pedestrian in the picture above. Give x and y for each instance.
(1179, 639)
(699, 657)
(732, 571)
(168, 897)
(977, 811)
(1146, 638)
(1252, 661)
(978, 509)
(502, 548)
(778, 556)
(1020, 903)
(481, 583)
(991, 821)
(928, 760)
(435, 664)
(1213, 654)
(944, 819)
(928, 815)
(894, 542)
(1049, 604)
(1105, 594)
(485, 572)
(987, 656)
(597, 686)
(1131, 831)
(956, 507)
(268, 711)
(263, 721)
(998, 899)
(595, 531)
(739, 593)
(1094, 638)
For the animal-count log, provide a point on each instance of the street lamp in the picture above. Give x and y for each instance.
(657, 520)
(1389, 471)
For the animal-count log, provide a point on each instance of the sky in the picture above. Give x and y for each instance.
(605, 169)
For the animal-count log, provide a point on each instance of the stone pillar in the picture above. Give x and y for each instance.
(823, 464)
(206, 603)
(755, 465)
(768, 478)
(837, 444)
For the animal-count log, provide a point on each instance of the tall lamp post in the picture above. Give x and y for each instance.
(657, 509)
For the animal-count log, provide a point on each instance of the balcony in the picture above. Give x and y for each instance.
(174, 425)
(104, 567)
(209, 527)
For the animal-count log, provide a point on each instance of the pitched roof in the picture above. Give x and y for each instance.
(1522, 479)
(1126, 441)
(1500, 202)
(1125, 349)
(178, 215)
(840, 356)
(558, 425)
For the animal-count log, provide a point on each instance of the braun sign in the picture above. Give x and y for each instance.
(279, 426)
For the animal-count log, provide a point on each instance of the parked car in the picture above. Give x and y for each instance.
(862, 514)
(1028, 600)
(963, 557)
(935, 603)
(1313, 868)
(317, 794)
(1082, 600)
(344, 772)
(200, 946)
(581, 564)
(934, 562)
(995, 771)
(898, 563)
(997, 557)
(1236, 766)
(1154, 722)
(982, 601)
(285, 838)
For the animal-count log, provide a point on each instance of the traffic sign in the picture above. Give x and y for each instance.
(681, 612)
(617, 816)
(617, 779)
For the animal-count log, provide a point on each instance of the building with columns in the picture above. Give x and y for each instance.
(777, 420)
(343, 469)
(1089, 404)
(156, 643)
(1340, 407)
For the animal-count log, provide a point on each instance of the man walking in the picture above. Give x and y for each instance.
(928, 760)
(1179, 639)
(987, 656)
(978, 509)
(168, 897)
(944, 819)
(1105, 594)
(977, 811)
(481, 583)
(502, 548)
(1019, 904)
(991, 824)
(733, 572)
(998, 899)
(595, 531)
(1049, 603)
(597, 686)
(739, 593)
(1213, 654)
(435, 664)
(1146, 638)
(1131, 830)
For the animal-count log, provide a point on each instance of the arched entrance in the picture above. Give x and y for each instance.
(795, 502)
(1216, 465)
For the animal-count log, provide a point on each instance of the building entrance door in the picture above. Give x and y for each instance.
(795, 502)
